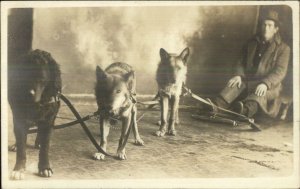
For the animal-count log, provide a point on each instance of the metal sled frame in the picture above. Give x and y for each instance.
(221, 115)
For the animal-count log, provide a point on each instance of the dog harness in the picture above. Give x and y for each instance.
(129, 102)
(169, 90)
(53, 99)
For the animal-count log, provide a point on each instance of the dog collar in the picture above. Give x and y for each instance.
(53, 99)
(132, 98)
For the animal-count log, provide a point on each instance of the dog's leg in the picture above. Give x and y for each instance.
(174, 101)
(164, 107)
(13, 148)
(20, 130)
(177, 120)
(138, 140)
(45, 132)
(37, 141)
(125, 128)
(104, 131)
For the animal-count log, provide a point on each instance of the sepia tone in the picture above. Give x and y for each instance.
(82, 38)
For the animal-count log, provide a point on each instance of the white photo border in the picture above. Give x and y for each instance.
(291, 181)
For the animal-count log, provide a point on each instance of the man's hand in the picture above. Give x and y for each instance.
(261, 89)
(236, 80)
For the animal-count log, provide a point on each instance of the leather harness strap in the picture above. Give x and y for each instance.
(53, 99)
(83, 125)
(87, 131)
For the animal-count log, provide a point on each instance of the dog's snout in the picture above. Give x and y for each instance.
(109, 108)
(173, 80)
(113, 113)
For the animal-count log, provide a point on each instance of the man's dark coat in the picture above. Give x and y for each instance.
(271, 70)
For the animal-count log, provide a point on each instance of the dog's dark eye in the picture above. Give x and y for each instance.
(118, 91)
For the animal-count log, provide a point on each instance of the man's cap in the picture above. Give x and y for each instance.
(271, 15)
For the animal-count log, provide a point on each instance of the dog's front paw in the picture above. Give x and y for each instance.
(160, 133)
(122, 155)
(12, 148)
(17, 175)
(99, 156)
(172, 132)
(47, 172)
(139, 142)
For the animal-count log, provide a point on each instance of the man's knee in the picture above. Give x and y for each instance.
(230, 94)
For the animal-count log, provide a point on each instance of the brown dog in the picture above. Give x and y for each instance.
(115, 94)
(170, 76)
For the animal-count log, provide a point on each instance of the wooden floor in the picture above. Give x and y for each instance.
(201, 150)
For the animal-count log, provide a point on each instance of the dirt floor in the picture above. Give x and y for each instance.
(200, 150)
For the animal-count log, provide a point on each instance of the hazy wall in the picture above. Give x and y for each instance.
(81, 38)
(224, 31)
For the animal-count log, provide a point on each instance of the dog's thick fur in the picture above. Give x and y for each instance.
(170, 76)
(33, 85)
(115, 94)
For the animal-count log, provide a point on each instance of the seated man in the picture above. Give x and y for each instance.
(259, 73)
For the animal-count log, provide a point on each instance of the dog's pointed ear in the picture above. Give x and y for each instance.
(185, 54)
(100, 74)
(163, 54)
(129, 76)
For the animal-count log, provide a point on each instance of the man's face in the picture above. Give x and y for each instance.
(268, 29)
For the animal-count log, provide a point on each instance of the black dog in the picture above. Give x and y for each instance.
(34, 83)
